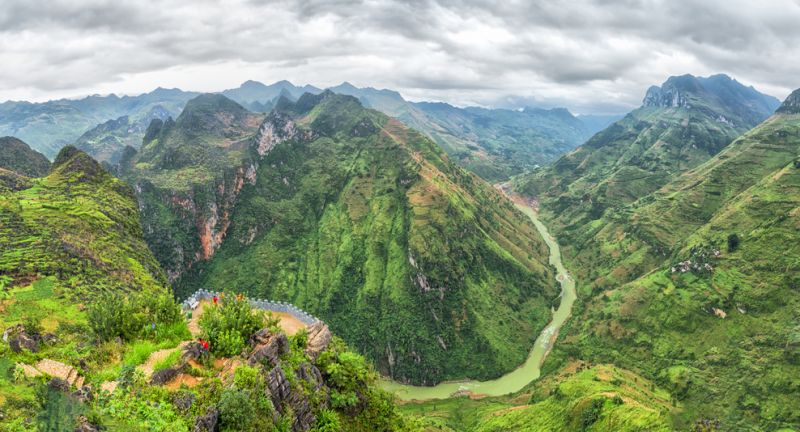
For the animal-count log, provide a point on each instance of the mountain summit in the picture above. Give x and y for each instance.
(792, 104)
(719, 92)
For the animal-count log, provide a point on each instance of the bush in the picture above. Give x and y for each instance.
(229, 325)
(229, 343)
(328, 421)
(132, 315)
(591, 413)
(245, 377)
(236, 410)
(347, 375)
(733, 242)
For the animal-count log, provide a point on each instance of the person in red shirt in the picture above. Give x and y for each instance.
(215, 299)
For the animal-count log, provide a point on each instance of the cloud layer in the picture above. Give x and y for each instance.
(592, 56)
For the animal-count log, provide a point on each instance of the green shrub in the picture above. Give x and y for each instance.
(228, 343)
(733, 242)
(229, 325)
(347, 374)
(245, 377)
(130, 316)
(591, 413)
(328, 421)
(236, 410)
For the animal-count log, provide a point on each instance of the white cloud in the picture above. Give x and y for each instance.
(588, 55)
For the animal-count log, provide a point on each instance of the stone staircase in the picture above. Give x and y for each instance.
(60, 370)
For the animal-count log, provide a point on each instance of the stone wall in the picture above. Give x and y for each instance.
(305, 317)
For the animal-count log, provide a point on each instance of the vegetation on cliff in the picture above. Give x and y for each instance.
(17, 156)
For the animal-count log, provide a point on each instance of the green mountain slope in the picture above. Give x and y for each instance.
(79, 223)
(680, 125)
(499, 143)
(578, 397)
(493, 143)
(711, 312)
(187, 175)
(416, 263)
(17, 156)
(94, 341)
(421, 266)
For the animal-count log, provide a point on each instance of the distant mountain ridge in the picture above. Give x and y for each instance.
(720, 90)
(680, 125)
(493, 143)
(48, 126)
(107, 141)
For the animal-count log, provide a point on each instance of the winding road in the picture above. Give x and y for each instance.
(530, 370)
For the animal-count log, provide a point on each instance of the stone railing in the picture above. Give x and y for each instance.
(305, 317)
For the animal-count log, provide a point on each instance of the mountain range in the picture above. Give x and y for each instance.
(680, 223)
(493, 143)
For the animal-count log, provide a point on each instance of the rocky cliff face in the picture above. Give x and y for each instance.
(198, 218)
(792, 104)
(186, 216)
(675, 92)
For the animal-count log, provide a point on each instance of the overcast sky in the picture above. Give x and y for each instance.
(591, 56)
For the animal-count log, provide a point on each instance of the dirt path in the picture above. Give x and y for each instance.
(148, 367)
(289, 324)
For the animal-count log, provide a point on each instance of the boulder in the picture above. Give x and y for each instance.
(279, 387)
(208, 422)
(13, 330)
(58, 384)
(60, 370)
(82, 424)
(310, 373)
(22, 341)
(164, 376)
(285, 399)
(319, 337)
(183, 400)
(192, 351)
(268, 347)
(83, 394)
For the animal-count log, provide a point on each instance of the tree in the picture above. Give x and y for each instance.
(733, 242)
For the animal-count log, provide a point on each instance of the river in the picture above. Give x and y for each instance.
(530, 370)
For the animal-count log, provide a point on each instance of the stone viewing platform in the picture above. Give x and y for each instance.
(306, 318)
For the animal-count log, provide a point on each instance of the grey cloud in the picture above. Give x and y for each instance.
(588, 55)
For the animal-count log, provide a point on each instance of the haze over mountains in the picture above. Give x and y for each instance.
(494, 143)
